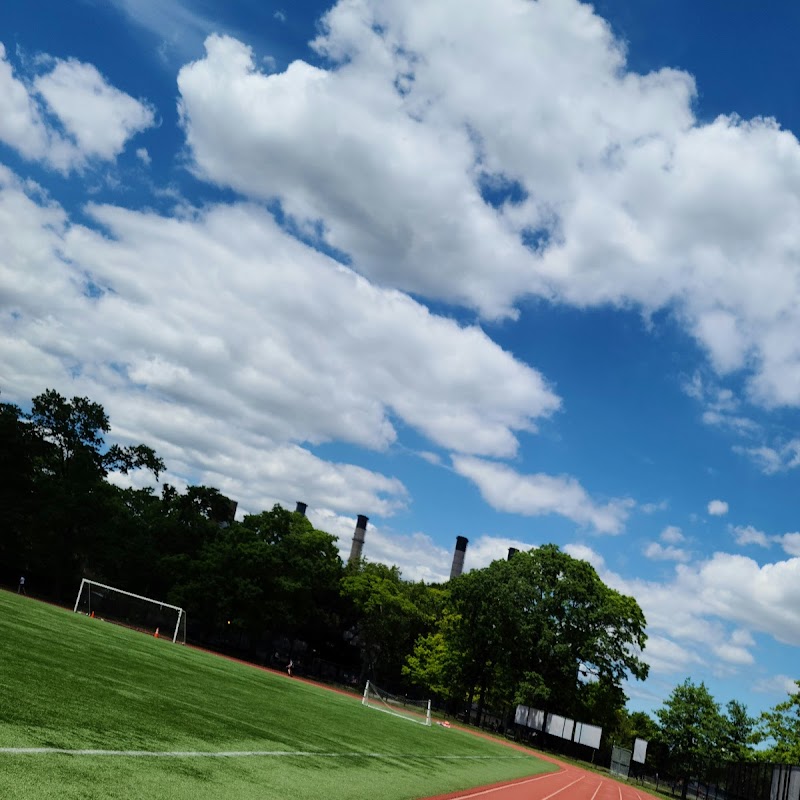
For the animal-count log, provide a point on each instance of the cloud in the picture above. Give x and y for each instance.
(772, 460)
(620, 195)
(747, 534)
(584, 553)
(653, 508)
(535, 495)
(733, 654)
(416, 554)
(776, 684)
(364, 181)
(484, 549)
(21, 123)
(726, 587)
(658, 552)
(721, 406)
(717, 508)
(97, 119)
(143, 156)
(228, 371)
(708, 611)
(790, 542)
(180, 27)
(667, 656)
(672, 535)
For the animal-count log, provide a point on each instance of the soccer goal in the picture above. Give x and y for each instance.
(132, 610)
(414, 710)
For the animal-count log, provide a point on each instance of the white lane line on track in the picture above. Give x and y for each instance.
(519, 783)
(46, 751)
(597, 790)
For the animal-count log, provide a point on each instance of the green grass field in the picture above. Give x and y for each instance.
(70, 682)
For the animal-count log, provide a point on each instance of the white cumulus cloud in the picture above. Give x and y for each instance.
(717, 508)
(747, 534)
(97, 118)
(228, 344)
(554, 171)
(534, 495)
(659, 552)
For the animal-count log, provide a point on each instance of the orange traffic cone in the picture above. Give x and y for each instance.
(92, 614)
(155, 635)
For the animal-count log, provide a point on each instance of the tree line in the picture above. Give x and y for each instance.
(693, 737)
(540, 628)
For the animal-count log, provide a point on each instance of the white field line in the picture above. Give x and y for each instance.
(47, 751)
(598, 789)
(506, 786)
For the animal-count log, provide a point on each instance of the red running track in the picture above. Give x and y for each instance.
(569, 783)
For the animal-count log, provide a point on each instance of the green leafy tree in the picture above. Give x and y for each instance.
(17, 490)
(75, 429)
(433, 665)
(71, 463)
(781, 724)
(692, 728)
(390, 614)
(739, 732)
(273, 573)
(305, 572)
(530, 629)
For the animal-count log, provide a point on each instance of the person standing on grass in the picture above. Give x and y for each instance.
(21, 587)
(290, 667)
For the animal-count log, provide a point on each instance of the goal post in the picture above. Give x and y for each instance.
(413, 710)
(130, 609)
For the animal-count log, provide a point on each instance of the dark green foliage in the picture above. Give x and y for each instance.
(692, 727)
(782, 725)
(530, 630)
(389, 614)
(58, 499)
(739, 732)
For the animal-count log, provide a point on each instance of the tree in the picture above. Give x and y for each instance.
(75, 430)
(390, 614)
(782, 725)
(71, 463)
(692, 728)
(528, 630)
(433, 665)
(739, 732)
(273, 573)
(17, 490)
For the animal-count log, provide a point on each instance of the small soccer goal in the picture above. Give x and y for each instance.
(132, 610)
(414, 710)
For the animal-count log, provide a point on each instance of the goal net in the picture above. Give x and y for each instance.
(414, 710)
(131, 610)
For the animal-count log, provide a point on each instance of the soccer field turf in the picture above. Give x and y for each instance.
(74, 683)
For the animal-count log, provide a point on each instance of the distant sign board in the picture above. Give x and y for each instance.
(639, 750)
(589, 735)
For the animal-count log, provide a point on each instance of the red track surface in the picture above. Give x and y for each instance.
(570, 783)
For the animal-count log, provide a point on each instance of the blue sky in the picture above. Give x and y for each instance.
(523, 272)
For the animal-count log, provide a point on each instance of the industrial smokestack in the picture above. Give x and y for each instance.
(358, 538)
(301, 508)
(512, 551)
(458, 556)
